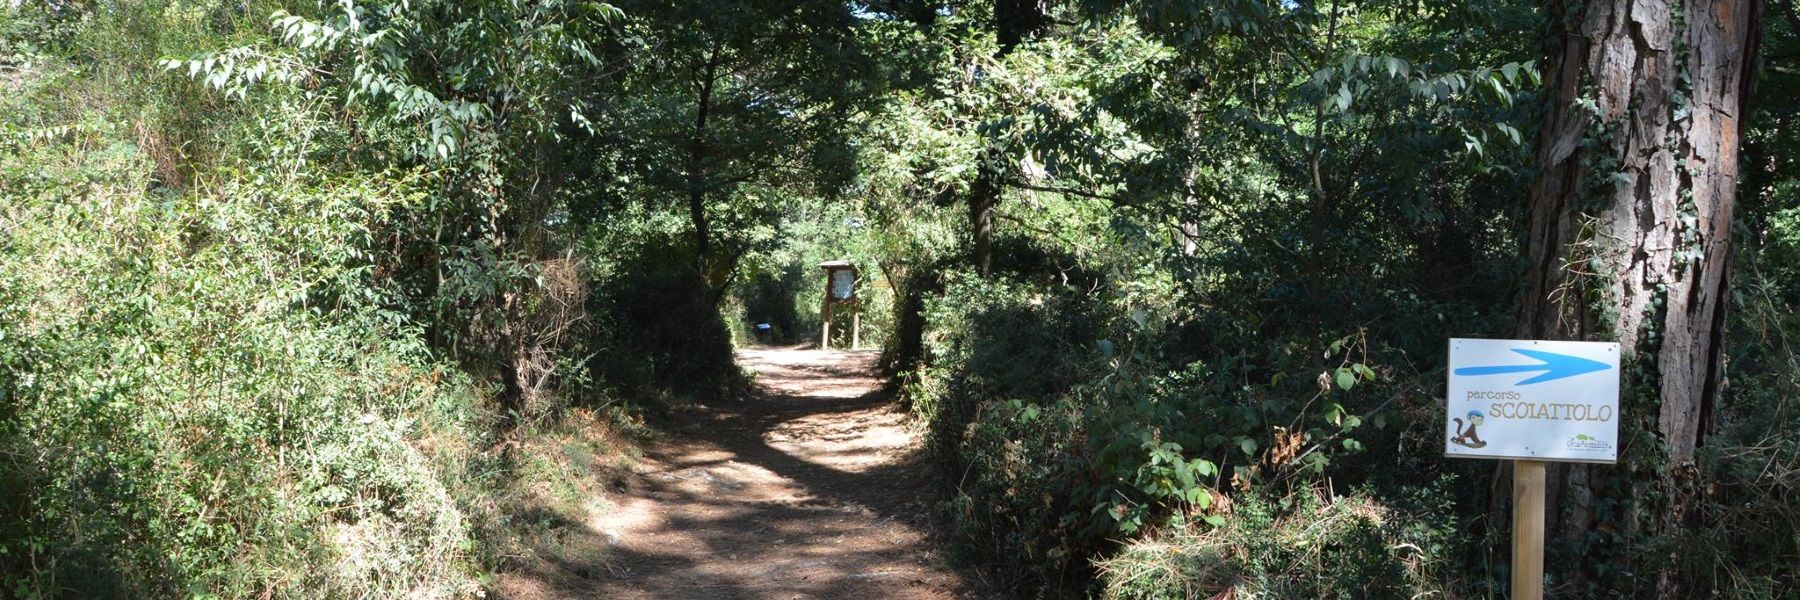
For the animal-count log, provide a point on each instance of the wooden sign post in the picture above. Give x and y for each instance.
(840, 289)
(1528, 530)
(1532, 401)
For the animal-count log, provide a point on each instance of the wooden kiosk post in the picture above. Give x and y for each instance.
(1531, 401)
(840, 289)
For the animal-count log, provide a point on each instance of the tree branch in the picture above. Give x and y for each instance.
(1058, 190)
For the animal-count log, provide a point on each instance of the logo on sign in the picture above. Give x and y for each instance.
(1585, 442)
(1466, 435)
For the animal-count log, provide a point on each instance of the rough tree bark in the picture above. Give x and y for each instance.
(1630, 237)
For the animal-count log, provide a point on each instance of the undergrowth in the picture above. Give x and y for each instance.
(223, 371)
(1348, 547)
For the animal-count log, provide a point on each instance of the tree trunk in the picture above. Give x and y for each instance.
(1015, 21)
(983, 195)
(1630, 241)
(696, 172)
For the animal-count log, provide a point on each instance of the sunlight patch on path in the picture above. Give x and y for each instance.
(811, 489)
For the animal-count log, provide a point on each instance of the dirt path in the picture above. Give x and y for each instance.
(812, 489)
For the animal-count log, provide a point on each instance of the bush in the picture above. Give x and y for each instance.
(769, 298)
(1350, 547)
(1063, 426)
(184, 419)
(1012, 507)
(1003, 356)
(664, 334)
(1750, 538)
(998, 340)
(208, 384)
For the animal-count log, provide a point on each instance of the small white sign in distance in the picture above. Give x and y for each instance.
(1533, 400)
(843, 284)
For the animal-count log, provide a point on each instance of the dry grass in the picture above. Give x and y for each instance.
(1304, 553)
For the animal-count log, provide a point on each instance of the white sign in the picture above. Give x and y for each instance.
(843, 284)
(1533, 400)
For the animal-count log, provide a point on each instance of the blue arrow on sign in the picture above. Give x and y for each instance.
(1554, 366)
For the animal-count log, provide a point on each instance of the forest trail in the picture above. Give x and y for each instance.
(811, 488)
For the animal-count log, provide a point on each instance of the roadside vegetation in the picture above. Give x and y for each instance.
(379, 299)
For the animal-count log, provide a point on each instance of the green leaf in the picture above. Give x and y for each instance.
(1345, 378)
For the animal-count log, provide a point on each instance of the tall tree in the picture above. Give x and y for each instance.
(1630, 240)
(1015, 22)
(732, 95)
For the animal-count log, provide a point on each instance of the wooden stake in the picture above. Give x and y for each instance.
(1528, 530)
(855, 330)
(825, 322)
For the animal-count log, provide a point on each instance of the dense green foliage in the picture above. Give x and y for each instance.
(1230, 239)
(313, 299)
(1215, 249)
(207, 390)
(273, 315)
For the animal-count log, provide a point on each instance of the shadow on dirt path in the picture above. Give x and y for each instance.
(811, 489)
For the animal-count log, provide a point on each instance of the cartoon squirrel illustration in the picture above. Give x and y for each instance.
(1465, 436)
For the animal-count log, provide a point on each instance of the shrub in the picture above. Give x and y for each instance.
(209, 390)
(999, 340)
(1750, 514)
(1063, 427)
(1350, 547)
(1012, 507)
(664, 334)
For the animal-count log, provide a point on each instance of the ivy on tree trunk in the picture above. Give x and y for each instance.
(1630, 232)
